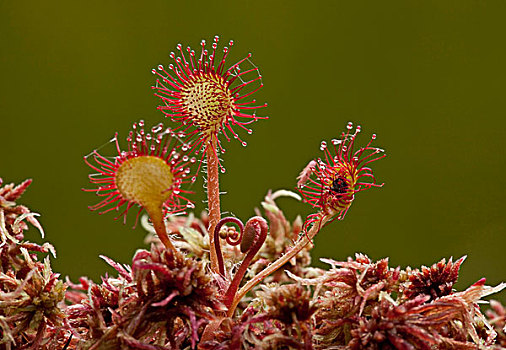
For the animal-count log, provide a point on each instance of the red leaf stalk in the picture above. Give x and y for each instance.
(213, 197)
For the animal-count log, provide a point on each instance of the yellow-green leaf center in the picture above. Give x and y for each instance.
(208, 100)
(146, 180)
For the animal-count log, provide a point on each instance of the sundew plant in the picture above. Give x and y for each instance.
(212, 282)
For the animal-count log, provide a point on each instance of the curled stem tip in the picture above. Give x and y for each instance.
(230, 239)
(253, 237)
(250, 238)
(293, 251)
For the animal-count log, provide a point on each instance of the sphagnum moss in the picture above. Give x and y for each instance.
(218, 283)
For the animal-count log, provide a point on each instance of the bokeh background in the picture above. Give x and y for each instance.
(427, 76)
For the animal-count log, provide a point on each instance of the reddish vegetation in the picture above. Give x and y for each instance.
(164, 301)
(213, 283)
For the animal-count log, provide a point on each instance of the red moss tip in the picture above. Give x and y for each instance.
(206, 98)
(436, 281)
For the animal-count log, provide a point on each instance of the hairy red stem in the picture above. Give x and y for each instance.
(213, 199)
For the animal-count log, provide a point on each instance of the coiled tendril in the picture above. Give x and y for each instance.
(232, 240)
(250, 237)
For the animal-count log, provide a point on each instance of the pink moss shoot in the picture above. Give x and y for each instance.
(330, 184)
(206, 98)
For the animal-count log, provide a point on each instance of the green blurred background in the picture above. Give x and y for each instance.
(427, 76)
